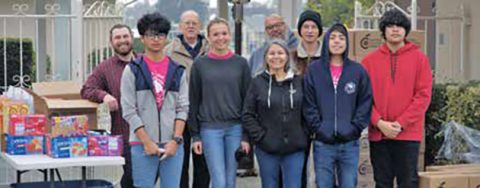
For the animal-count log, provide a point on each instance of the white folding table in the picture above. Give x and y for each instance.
(43, 162)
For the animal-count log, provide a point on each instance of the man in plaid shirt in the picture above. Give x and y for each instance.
(103, 85)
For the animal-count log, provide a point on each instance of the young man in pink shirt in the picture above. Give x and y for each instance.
(155, 105)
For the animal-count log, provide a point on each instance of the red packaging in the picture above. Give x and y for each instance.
(27, 125)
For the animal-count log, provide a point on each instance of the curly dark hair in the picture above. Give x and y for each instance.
(394, 17)
(153, 22)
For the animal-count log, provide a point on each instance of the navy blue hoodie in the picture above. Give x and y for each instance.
(336, 115)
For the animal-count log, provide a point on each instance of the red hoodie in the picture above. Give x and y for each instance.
(402, 89)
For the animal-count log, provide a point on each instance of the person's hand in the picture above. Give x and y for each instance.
(397, 125)
(111, 102)
(151, 148)
(197, 147)
(389, 129)
(245, 147)
(170, 149)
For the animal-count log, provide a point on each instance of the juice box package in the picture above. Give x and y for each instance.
(105, 145)
(13, 107)
(24, 145)
(115, 145)
(69, 126)
(97, 145)
(79, 146)
(27, 125)
(66, 147)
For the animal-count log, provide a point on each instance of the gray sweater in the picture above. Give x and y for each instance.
(217, 89)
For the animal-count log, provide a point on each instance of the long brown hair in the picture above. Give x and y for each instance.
(217, 20)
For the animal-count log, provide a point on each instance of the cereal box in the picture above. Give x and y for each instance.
(97, 145)
(66, 147)
(24, 145)
(115, 145)
(105, 145)
(69, 125)
(27, 125)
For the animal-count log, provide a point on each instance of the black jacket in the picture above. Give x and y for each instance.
(272, 114)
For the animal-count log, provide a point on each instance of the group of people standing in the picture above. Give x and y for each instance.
(295, 92)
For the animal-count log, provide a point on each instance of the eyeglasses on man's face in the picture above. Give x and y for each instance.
(276, 25)
(155, 36)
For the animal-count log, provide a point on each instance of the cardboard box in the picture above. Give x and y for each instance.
(366, 41)
(474, 181)
(66, 147)
(24, 145)
(62, 98)
(58, 89)
(450, 178)
(351, 46)
(364, 171)
(456, 167)
(443, 181)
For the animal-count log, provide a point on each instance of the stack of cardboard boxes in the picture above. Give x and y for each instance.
(65, 120)
(451, 176)
(361, 42)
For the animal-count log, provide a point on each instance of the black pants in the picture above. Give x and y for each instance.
(201, 177)
(395, 159)
(127, 180)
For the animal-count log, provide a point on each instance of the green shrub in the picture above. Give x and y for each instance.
(13, 60)
(450, 102)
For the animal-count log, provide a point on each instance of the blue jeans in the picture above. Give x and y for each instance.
(146, 168)
(219, 146)
(270, 165)
(336, 160)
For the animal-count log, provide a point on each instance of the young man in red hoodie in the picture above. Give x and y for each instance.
(401, 80)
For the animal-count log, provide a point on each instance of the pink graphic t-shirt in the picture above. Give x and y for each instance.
(158, 70)
(336, 72)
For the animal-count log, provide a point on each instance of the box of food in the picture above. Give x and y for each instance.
(24, 145)
(97, 145)
(66, 147)
(62, 98)
(10, 107)
(67, 126)
(105, 145)
(27, 125)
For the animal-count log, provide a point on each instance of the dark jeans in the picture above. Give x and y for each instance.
(127, 181)
(201, 178)
(395, 158)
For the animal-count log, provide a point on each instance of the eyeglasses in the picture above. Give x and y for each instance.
(277, 25)
(155, 36)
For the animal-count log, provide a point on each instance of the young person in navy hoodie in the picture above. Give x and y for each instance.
(402, 88)
(337, 107)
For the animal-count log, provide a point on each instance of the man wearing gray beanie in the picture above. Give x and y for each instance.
(309, 28)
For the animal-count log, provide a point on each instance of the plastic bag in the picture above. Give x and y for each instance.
(461, 144)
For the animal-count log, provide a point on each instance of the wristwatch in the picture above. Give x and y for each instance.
(178, 140)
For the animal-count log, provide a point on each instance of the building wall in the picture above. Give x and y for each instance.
(449, 61)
